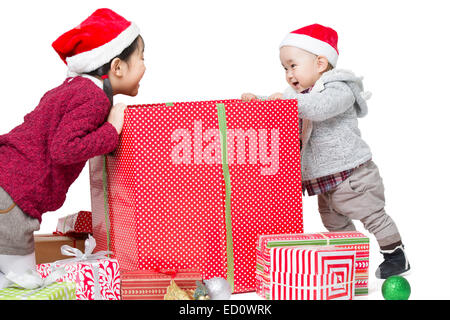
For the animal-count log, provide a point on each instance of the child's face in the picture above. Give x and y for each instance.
(302, 68)
(132, 72)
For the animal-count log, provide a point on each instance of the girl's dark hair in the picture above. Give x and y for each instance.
(104, 69)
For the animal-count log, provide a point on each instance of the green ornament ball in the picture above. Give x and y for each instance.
(396, 288)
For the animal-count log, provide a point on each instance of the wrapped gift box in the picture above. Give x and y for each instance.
(77, 224)
(96, 276)
(95, 280)
(151, 285)
(47, 246)
(349, 240)
(311, 273)
(192, 185)
(55, 291)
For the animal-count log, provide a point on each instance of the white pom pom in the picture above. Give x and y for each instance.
(218, 288)
(366, 95)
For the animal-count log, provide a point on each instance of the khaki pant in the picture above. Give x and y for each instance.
(359, 197)
(16, 228)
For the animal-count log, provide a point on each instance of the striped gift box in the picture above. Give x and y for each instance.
(312, 273)
(152, 285)
(348, 240)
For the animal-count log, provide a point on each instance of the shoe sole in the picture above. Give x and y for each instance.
(404, 273)
(407, 272)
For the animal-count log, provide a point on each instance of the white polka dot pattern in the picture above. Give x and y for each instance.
(80, 222)
(166, 192)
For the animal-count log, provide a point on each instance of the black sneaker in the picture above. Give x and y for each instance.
(395, 263)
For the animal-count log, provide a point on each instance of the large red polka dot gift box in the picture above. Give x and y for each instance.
(193, 184)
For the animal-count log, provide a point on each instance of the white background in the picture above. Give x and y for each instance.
(199, 50)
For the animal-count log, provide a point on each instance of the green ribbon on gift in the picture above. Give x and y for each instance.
(226, 176)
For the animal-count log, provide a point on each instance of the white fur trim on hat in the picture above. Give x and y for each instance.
(312, 45)
(95, 58)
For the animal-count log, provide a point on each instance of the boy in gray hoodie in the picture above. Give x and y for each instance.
(337, 163)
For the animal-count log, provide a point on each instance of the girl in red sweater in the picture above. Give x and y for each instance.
(72, 123)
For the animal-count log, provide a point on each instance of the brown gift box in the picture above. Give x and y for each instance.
(48, 246)
(152, 285)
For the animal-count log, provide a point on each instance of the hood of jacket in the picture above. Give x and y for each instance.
(355, 83)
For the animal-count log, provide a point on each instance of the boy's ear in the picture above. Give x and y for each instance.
(116, 67)
(322, 63)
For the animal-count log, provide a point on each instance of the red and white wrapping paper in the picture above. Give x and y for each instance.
(152, 285)
(312, 273)
(352, 240)
(96, 278)
(165, 199)
(77, 223)
(294, 286)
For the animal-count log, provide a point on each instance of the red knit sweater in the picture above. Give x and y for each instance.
(43, 156)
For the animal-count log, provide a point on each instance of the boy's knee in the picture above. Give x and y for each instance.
(376, 221)
(347, 227)
(334, 222)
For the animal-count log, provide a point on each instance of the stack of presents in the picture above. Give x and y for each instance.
(196, 191)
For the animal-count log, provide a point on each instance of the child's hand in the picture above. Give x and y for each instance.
(116, 115)
(275, 96)
(248, 97)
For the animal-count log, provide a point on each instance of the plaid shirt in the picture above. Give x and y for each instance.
(324, 184)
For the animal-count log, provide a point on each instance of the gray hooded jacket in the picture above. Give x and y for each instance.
(331, 138)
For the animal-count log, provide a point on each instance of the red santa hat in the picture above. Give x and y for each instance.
(96, 41)
(317, 39)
